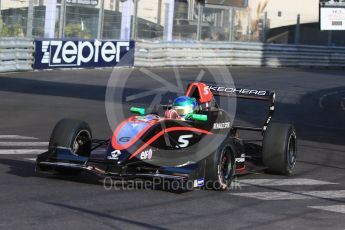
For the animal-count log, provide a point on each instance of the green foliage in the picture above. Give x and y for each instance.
(15, 30)
(74, 30)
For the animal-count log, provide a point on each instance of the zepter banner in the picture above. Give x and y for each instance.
(55, 53)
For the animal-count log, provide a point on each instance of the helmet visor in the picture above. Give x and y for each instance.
(183, 110)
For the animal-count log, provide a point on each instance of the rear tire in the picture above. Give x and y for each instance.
(280, 148)
(220, 167)
(75, 135)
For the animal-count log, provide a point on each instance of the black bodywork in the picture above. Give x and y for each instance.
(158, 151)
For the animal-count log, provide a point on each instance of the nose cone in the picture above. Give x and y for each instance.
(130, 130)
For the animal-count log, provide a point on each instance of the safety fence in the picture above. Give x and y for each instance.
(166, 20)
(151, 54)
(17, 54)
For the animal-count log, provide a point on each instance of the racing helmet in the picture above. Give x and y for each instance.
(184, 105)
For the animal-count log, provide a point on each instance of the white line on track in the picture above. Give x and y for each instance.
(282, 182)
(23, 144)
(17, 137)
(294, 195)
(21, 151)
(30, 159)
(331, 208)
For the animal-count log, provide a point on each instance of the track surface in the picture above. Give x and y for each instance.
(313, 198)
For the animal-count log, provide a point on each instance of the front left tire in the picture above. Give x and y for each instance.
(75, 135)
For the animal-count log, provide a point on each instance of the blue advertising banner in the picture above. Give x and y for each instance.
(74, 53)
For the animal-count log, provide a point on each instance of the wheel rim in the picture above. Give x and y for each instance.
(225, 166)
(292, 151)
(81, 143)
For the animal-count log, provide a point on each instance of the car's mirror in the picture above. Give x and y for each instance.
(140, 111)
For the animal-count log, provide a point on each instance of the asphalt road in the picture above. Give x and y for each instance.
(312, 198)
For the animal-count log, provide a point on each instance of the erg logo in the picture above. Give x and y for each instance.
(146, 155)
(80, 53)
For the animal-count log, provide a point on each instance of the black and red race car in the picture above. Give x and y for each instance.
(203, 147)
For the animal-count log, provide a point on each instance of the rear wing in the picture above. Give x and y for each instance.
(252, 94)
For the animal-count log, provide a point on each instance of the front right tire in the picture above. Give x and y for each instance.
(220, 167)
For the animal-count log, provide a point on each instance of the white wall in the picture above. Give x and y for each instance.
(308, 9)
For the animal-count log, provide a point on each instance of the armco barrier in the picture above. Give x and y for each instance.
(162, 54)
(16, 54)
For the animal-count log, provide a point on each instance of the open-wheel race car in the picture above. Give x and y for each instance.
(191, 140)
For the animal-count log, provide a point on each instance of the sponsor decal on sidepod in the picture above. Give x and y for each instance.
(146, 155)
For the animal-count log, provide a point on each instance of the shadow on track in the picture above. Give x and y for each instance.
(103, 215)
(26, 169)
(37, 87)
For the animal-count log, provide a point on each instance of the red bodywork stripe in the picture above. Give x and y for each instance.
(155, 137)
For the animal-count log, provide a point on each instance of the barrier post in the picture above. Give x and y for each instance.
(159, 12)
(117, 6)
(100, 20)
(135, 20)
(171, 10)
(298, 30)
(264, 28)
(62, 19)
(30, 19)
(232, 24)
(50, 16)
(126, 19)
(199, 26)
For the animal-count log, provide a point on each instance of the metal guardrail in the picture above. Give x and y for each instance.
(157, 54)
(16, 54)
